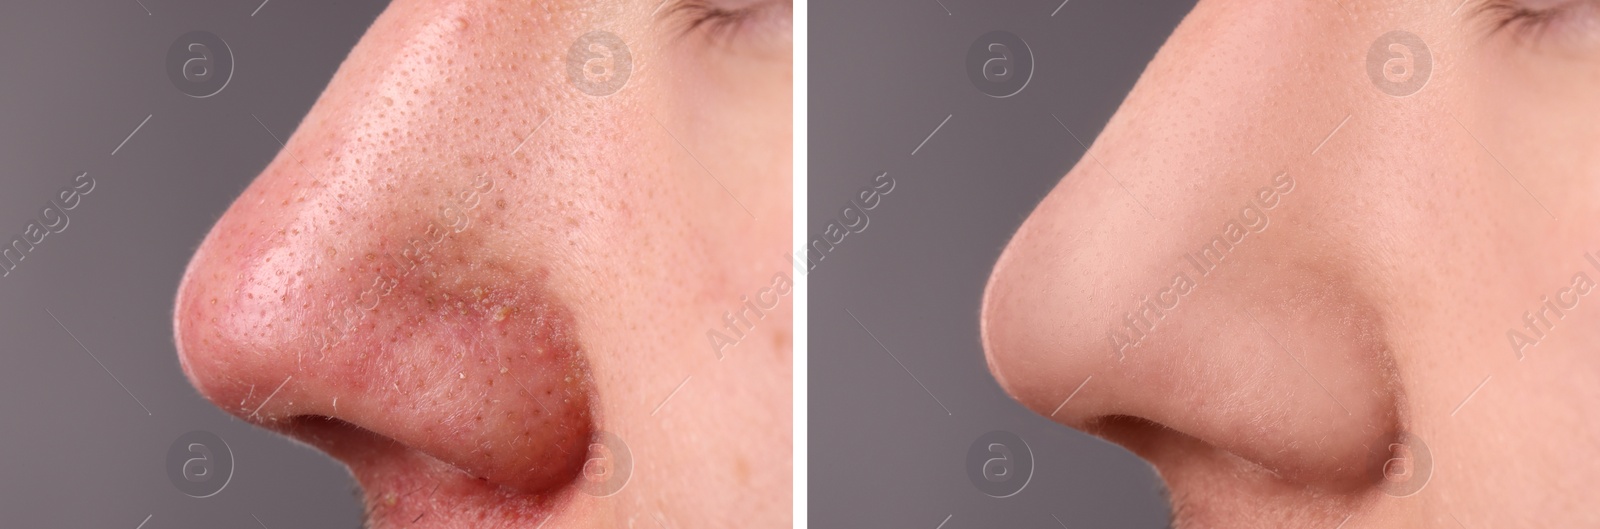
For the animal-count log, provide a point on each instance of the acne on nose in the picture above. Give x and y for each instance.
(360, 277)
(482, 371)
(356, 279)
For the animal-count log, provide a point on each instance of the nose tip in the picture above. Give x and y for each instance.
(1100, 323)
(988, 318)
(279, 319)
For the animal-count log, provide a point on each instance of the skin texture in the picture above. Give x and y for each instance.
(1373, 298)
(462, 269)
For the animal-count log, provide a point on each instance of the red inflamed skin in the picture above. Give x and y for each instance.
(482, 275)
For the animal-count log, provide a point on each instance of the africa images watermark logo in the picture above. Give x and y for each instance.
(199, 464)
(199, 64)
(52, 219)
(1541, 321)
(1138, 323)
(999, 64)
(1399, 63)
(1000, 464)
(853, 218)
(608, 466)
(599, 63)
(1403, 466)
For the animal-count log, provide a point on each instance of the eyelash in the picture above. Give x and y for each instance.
(1520, 20)
(716, 22)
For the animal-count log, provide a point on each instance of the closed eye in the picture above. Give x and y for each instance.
(717, 20)
(1529, 21)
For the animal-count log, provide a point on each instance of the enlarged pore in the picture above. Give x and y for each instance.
(462, 361)
(497, 378)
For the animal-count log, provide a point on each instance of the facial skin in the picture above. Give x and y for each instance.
(1370, 300)
(463, 268)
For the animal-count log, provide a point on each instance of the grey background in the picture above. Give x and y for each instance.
(76, 77)
(883, 74)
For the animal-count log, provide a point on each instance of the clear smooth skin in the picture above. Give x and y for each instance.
(1381, 293)
(463, 268)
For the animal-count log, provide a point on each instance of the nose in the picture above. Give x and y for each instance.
(352, 296)
(1188, 305)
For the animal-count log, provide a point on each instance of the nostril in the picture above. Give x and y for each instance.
(330, 434)
(372, 453)
(1176, 450)
(323, 430)
(514, 440)
(1150, 440)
